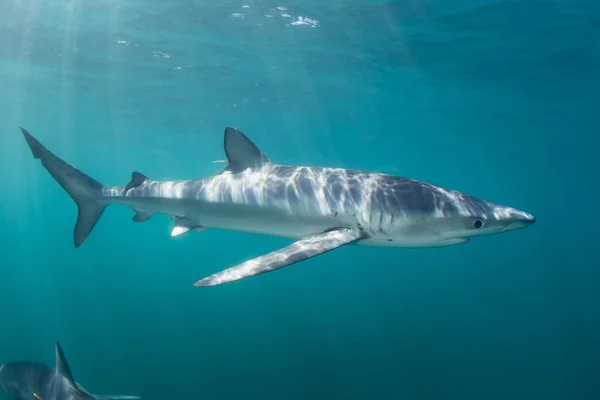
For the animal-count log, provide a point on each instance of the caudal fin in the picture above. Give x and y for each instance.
(85, 191)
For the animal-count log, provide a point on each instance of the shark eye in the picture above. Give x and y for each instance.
(478, 223)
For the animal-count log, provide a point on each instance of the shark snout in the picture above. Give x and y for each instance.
(519, 219)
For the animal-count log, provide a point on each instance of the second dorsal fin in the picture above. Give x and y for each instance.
(241, 152)
(136, 180)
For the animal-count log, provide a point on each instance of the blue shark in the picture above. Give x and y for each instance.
(25, 380)
(320, 208)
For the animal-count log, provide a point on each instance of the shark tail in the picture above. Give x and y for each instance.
(85, 191)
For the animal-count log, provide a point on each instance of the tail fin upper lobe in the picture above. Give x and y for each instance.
(85, 191)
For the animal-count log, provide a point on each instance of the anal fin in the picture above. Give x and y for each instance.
(301, 250)
(141, 216)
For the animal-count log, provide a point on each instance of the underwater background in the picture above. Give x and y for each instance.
(498, 99)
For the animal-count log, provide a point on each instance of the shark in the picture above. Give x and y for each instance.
(25, 380)
(319, 208)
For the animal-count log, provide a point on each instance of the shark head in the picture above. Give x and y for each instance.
(424, 215)
(499, 219)
(466, 216)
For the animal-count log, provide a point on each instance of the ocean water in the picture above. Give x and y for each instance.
(498, 99)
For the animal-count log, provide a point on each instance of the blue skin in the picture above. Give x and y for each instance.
(34, 381)
(306, 204)
(25, 380)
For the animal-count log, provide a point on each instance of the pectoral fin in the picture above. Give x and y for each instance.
(303, 249)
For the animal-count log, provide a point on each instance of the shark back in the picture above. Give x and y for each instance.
(34, 381)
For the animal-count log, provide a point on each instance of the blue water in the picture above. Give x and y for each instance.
(498, 99)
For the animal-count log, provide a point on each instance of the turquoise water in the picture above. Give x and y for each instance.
(498, 99)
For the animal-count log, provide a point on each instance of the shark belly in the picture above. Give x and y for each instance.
(248, 217)
(263, 220)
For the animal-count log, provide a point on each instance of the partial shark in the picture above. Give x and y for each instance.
(320, 208)
(27, 380)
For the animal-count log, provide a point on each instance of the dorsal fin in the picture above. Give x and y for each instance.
(62, 366)
(136, 180)
(241, 152)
